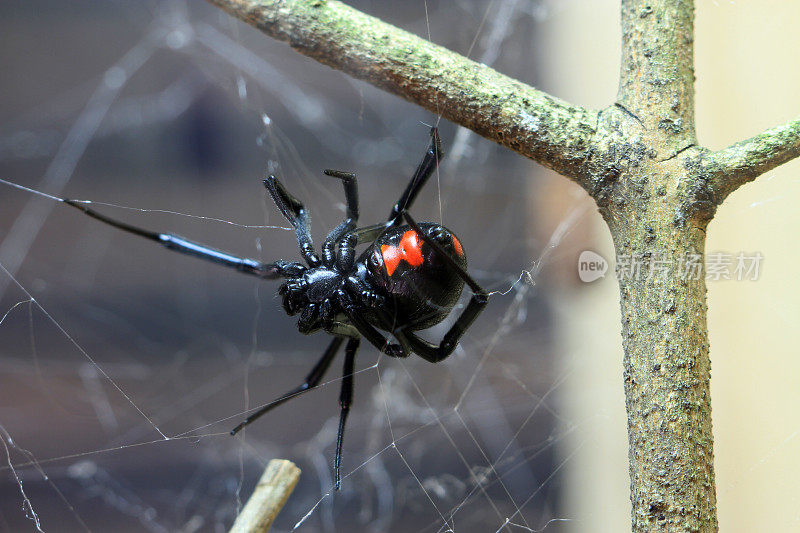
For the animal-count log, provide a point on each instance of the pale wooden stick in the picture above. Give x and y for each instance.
(270, 495)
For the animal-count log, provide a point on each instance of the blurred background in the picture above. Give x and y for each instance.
(123, 366)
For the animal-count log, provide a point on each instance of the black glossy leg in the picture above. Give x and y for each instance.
(348, 241)
(311, 381)
(367, 330)
(432, 353)
(295, 212)
(347, 244)
(345, 401)
(350, 190)
(179, 244)
(351, 219)
(424, 171)
(377, 339)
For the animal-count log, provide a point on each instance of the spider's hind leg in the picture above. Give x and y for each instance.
(431, 352)
(345, 400)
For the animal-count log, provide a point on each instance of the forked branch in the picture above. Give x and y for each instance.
(550, 131)
(740, 163)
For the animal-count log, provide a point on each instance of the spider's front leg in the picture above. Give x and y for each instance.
(176, 243)
(425, 169)
(296, 213)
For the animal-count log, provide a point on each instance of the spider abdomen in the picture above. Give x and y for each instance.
(421, 285)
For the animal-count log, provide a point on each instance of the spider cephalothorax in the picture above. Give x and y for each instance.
(408, 278)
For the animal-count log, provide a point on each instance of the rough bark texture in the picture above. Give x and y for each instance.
(639, 159)
(657, 69)
(744, 161)
(657, 219)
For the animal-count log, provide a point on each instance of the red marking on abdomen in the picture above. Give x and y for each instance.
(410, 250)
(457, 246)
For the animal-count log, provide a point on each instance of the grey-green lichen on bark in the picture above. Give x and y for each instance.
(639, 159)
(658, 227)
(730, 168)
(657, 68)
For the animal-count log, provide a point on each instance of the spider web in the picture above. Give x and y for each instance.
(128, 366)
(125, 366)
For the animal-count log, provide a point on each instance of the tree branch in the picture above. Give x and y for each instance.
(656, 214)
(740, 163)
(550, 131)
(657, 70)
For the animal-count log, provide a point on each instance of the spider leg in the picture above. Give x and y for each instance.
(348, 242)
(424, 171)
(311, 381)
(431, 352)
(351, 219)
(354, 314)
(179, 244)
(350, 190)
(378, 339)
(345, 400)
(296, 213)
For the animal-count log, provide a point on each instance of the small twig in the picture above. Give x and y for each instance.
(744, 161)
(270, 495)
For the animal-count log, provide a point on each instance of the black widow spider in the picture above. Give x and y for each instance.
(408, 279)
